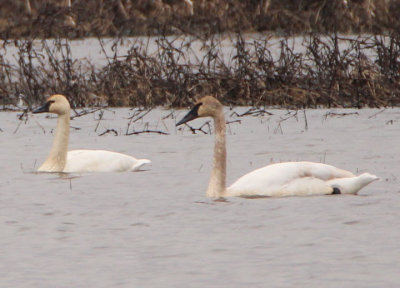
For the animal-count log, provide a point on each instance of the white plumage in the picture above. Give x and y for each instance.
(298, 179)
(101, 161)
(60, 160)
(275, 180)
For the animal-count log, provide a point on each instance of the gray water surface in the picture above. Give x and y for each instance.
(156, 228)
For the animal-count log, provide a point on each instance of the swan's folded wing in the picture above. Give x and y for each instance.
(321, 171)
(101, 161)
(288, 179)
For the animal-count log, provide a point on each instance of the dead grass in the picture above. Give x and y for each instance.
(322, 76)
(51, 18)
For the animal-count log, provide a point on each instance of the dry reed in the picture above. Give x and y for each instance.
(322, 75)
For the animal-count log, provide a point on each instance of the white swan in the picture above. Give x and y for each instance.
(275, 180)
(62, 160)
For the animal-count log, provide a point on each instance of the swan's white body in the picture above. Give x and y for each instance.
(275, 180)
(62, 160)
(298, 179)
(101, 161)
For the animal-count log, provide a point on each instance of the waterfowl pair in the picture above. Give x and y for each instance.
(62, 160)
(275, 180)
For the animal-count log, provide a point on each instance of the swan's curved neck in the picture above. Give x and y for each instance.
(216, 186)
(57, 158)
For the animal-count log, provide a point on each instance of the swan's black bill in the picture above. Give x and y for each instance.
(44, 108)
(192, 114)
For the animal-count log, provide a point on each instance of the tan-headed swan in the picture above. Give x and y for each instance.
(275, 180)
(62, 160)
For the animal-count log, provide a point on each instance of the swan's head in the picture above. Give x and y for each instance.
(56, 104)
(206, 106)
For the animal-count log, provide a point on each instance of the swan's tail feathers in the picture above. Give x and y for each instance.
(365, 179)
(351, 185)
(139, 163)
(368, 178)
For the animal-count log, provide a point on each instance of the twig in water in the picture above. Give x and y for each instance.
(24, 118)
(234, 121)
(44, 131)
(390, 122)
(108, 131)
(86, 112)
(334, 114)
(374, 115)
(165, 126)
(140, 116)
(170, 115)
(132, 119)
(147, 131)
(25, 113)
(100, 118)
(305, 120)
(279, 126)
(200, 128)
(253, 112)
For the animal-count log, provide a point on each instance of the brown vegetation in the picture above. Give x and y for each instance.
(82, 18)
(323, 75)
